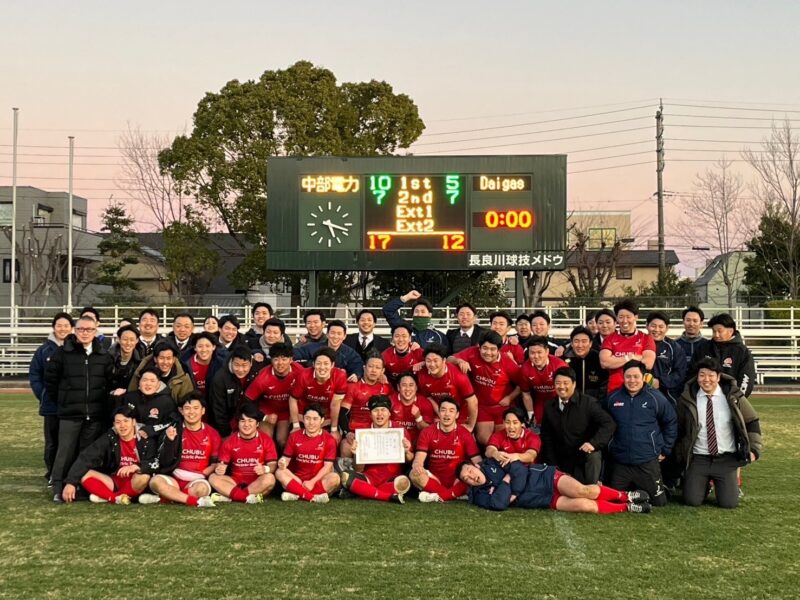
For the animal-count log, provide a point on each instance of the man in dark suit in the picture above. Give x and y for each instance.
(468, 330)
(366, 341)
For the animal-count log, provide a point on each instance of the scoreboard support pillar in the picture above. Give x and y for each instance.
(313, 289)
(519, 289)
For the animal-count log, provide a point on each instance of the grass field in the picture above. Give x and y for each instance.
(363, 549)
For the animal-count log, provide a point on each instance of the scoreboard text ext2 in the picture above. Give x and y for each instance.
(417, 213)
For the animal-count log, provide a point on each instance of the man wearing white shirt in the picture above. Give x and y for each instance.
(365, 340)
(718, 432)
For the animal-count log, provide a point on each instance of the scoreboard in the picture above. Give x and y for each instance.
(416, 213)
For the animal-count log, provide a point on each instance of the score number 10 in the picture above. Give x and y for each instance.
(450, 241)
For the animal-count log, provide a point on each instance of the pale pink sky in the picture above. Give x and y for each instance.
(89, 68)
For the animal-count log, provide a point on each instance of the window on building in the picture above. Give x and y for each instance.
(78, 220)
(624, 273)
(5, 214)
(7, 271)
(43, 215)
(602, 237)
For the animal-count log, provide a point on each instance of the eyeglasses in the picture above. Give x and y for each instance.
(85, 329)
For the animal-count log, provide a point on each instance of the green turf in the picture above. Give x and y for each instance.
(363, 549)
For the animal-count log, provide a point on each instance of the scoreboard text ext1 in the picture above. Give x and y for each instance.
(417, 213)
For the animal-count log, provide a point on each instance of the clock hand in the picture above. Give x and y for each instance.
(329, 225)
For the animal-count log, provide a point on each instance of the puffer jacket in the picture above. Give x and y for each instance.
(48, 406)
(225, 396)
(746, 426)
(670, 369)
(646, 425)
(179, 382)
(734, 357)
(80, 382)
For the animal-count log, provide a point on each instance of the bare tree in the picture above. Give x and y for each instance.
(592, 264)
(535, 284)
(778, 191)
(717, 209)
(141, 178)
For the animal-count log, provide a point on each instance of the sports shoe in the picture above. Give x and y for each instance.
(205, 502)
(397, 499)
(97, 499)
(741, 493)
(638, 496)
(149, 499)
(342, 464)
(58, 499)
(254, 499)
(643, 507)
(401, 485)
(465, 498)
(289, 497)
(429, 497)
(217, 497)
(122, 499)
(321, 498)
(344, 494)
(346, 477)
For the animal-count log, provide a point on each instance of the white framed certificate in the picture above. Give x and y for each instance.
(380, 446)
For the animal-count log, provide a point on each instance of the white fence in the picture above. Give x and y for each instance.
(773, 335)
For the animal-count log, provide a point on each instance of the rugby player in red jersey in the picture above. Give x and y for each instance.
(494, 377)
(247, 461)
(270, 391)
(384, 482)
(536, 378)
(199, 362)
(306, 468)
(500, 323)
(400, 357)
(441, 448)
(322, 384)
(515, 442)
(410, 410)
(355, 412)
(116, 467)
(200, 444)
(441, 379)
(626, 344)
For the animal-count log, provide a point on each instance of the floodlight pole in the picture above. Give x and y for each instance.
(662, 258)
(13, 293)
(69, 225)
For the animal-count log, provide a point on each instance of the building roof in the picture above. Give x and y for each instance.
(714, 267)
(634, 258)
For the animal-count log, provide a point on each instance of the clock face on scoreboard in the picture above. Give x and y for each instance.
(359, 214)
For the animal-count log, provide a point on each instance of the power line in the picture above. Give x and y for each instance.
(647, 162)
(742, 108)
(730, 117)
(537, 112)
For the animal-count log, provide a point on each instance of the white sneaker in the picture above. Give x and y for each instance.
(205, 502)
(122, 499)
(217, 497)
(429, 497)
(465, 498)
(321, 498)
(149, 499)
(97, 499)
(289, 497)
(254, 499)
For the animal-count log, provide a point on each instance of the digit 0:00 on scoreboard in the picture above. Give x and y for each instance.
(406, 213)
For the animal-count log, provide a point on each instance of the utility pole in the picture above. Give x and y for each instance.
(13, 289)
(69, 226)
(662, 257)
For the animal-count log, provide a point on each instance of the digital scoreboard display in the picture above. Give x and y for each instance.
(407, 213)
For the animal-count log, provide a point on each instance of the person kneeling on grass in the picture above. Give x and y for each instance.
(118, 465)
(251, 456)
(306, 468)
(196, 460)
(384, 482)
(540, 486)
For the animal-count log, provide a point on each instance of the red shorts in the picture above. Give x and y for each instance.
(446, 479)
(243, 479)
(359, 425)
(183, 485)
(493, 414)
(275, 407)
(556, 494)
(318, 488)
(123, 485)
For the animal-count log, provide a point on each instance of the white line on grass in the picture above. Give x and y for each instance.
(576, 547)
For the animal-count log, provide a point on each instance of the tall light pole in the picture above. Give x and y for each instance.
(69, 226)
(13, 294)
(662, 255)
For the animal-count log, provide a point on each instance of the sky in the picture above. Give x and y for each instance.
(488, 78)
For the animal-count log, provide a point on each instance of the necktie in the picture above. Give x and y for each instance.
(363, 342)
(710, 429)
(464, 335)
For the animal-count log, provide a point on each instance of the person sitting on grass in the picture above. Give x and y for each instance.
(306, 468)
(117, 466)
(247, 460)
(540, 486)
(514, 442)
(384, 482)
(196, 459)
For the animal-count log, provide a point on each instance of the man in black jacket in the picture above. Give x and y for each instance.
(468, 331)
(79, 377)
(584, 359)
(226, 394)
(575, 429)
(727, 346)
(365, 340)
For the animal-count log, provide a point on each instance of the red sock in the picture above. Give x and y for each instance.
(605, 508)
(98, 488)
(367, 490)
(455, 492)
(238, 494)
(296, 488)
(611, 495)
(435, 487)
(191, 500)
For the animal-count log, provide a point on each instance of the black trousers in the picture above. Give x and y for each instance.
(646, 476)
(50, 442)
(73, 437)
(585, 467)
(721, 470)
